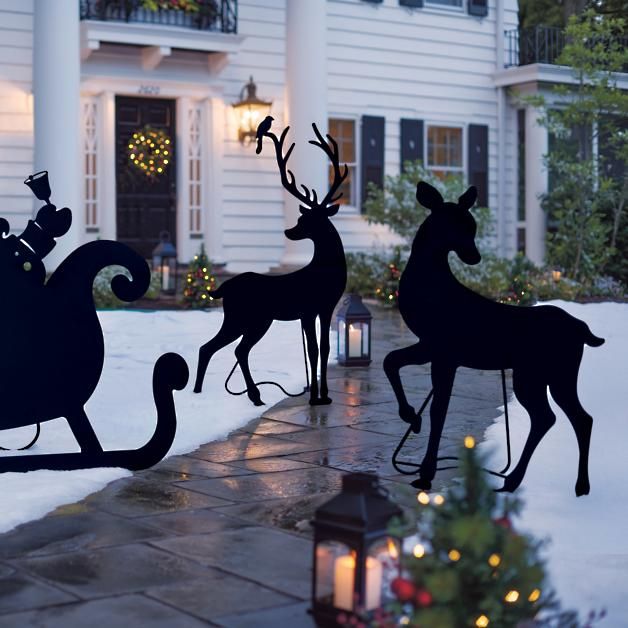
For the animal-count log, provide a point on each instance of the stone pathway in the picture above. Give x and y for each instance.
(220, 536)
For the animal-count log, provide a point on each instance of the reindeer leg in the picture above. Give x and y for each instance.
(250, 338)
(442, 382)
(83, 432)
(565, 393)
(325, 319)
(226, 334)
(393, 363)
(532, 393)
(309, 327)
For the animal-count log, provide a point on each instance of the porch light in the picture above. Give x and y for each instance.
(354, 332)
(165, 264)
(250, 111)
(355, 558)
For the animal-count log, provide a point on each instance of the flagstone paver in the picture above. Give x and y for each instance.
(221, 536)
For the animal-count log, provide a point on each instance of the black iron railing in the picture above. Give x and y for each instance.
(541, 44)
(212, 15)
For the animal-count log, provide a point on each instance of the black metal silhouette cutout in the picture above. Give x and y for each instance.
(53, 347)
(456, 327)
(252, 301)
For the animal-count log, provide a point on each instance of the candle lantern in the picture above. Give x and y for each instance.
(165, 264)
(250, 110)
(354, 332)
(355, 557)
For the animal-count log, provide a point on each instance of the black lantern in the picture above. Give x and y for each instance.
(354, 332)
(355, 557)
(250, 111)
(165, 264)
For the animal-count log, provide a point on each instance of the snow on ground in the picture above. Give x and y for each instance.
(588, 554)
(122, 410)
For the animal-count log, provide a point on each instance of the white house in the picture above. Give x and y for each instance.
(390, 79)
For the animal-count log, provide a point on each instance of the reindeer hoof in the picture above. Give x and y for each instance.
(422, 484)
(510, 485)
(320, 401)
(582, 488)
(254, 396)
(198, 388)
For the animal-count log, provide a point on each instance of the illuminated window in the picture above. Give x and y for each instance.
(343, 131)
(444, 150)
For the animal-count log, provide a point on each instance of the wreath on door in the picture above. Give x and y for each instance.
(150, 151)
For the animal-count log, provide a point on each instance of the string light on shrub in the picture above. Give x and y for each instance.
(482, 621)
(469, 442)
(418, 551)
(150, 150)
(534, 596)
(423, 498)
(494, 560)
(454, 555)
(439, 500)
(511, 597)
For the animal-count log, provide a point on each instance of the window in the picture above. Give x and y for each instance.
(444, 150)
(343, 131)
(447, 3)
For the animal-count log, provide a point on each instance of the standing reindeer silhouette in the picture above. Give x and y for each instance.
(457, 327)
(251, 301)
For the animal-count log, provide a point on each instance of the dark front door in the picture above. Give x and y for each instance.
(146, 206)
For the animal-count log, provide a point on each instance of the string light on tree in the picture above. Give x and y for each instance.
(150, 151)
(199, 282)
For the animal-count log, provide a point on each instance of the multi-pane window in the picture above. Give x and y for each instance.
(444, 150)
(343, 131)
(447, 3)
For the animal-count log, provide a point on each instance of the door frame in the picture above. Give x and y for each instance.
(214, 121)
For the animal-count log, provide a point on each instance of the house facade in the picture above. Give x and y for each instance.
(390, 80)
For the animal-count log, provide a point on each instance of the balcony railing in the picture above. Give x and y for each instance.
(540, 44)
(213, 15)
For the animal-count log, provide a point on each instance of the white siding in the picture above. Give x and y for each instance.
(16, 121)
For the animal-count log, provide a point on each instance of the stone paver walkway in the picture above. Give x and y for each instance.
(220, 536)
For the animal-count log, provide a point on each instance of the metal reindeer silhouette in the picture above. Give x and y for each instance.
(252, 301)
(53, 348)
(457, 327)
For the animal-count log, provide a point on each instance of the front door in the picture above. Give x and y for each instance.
(146, 205)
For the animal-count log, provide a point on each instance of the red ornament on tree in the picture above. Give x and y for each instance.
(504, 522)
(423, 597)
(403, 589)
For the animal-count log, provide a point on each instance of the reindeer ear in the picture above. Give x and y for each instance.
(467, 200)
(428, 196)
(303, 210)
(332, 210)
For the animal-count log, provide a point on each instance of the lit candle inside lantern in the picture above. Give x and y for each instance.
(355, 341)
(344, 575)
(165, 277)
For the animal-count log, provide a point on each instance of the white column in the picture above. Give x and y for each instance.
(183, 181)
(213, 151)
(56, 77)
(306, 80)
(107, 166)
(535, 186)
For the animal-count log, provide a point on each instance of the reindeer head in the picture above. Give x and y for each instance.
(453, 227)
(315, 214)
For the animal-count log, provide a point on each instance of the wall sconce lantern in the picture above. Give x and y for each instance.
(250, 111)
(165, 264)
(354, 332)
(355, 558)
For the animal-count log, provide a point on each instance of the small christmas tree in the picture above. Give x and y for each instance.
(470, 567)
(388, 286)
(199, 281)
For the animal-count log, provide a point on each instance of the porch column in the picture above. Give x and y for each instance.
(535, 186)
(56, 77)
(306, 102)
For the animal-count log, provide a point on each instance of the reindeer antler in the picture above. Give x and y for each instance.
(309, 197)
(331, 150)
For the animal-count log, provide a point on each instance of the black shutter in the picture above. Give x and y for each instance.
(373, 1)
(411, 141)
(478, 161)
(372, 152)
(415, 4)
(478, 7)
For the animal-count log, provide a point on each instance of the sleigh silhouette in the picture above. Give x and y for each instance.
(53, 347)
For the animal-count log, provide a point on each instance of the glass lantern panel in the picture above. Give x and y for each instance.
(365, 340)
(342, 329)
(335, 569)
(355, 340)
(382, 567)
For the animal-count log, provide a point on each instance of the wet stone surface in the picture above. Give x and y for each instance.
(221, 536)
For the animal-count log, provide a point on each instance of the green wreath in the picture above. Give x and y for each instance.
(150, 150)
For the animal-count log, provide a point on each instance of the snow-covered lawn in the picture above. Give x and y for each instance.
(122, 408)
(588, 554)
